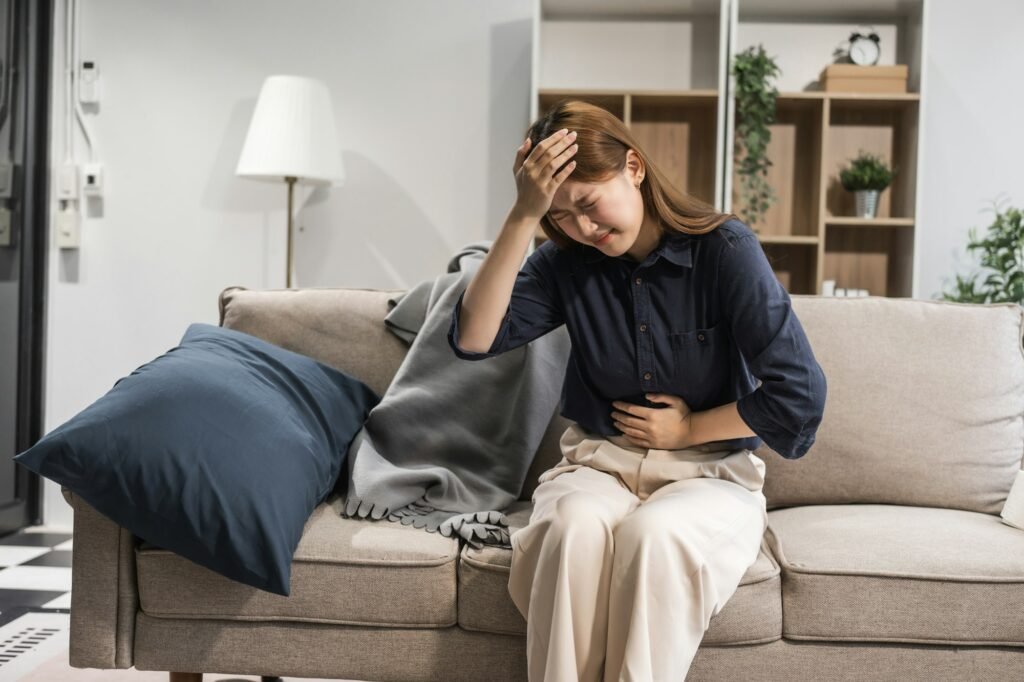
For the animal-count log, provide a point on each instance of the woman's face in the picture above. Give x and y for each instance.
(605, 215)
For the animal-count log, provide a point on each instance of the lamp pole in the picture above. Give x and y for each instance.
(290, 179)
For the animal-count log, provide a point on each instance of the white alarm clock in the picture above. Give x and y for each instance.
(864, 49)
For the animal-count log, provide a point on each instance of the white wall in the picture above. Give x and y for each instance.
(675, 53)
(431, 101)
(972, 136)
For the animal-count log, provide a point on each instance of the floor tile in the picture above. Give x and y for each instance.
(61, 602)
(36, 578)
(10, 599)
(34, 539)
(11, 555)
(54, 558)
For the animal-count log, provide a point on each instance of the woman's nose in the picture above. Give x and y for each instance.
(584, 226)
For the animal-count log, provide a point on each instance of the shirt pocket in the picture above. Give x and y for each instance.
(701, 360)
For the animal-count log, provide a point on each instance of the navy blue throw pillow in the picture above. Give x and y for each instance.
(218, 450)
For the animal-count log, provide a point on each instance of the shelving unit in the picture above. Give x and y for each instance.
(685, 117)
(678, 129)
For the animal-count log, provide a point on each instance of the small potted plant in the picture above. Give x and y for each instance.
(866, 176)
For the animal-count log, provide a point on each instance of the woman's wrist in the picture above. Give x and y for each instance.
(518, 215)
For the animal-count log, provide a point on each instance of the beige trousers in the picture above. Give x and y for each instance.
(628, 554)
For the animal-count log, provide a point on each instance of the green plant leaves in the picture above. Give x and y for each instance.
(1002, 253)
(755, 111)
(867, 171)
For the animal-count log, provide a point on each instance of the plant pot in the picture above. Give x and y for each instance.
(866, 201)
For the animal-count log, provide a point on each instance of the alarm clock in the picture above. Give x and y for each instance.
(864, 49)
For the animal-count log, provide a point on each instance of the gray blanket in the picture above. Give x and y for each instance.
(448, 446)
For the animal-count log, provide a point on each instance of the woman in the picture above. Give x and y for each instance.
(643, 530)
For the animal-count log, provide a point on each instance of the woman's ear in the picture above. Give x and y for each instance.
(635, 168)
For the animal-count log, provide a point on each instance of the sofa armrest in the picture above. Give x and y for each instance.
(104, 590)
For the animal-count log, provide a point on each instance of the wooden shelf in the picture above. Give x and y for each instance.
(876, 260)
(788, 239)
(869, 222)
(794, 265)
(854, 96)
(618, 92)
(810, 233)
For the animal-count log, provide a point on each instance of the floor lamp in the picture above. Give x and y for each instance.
(292, 137)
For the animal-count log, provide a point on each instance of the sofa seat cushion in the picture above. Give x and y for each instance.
(889, 573)
(752, 615)
(351, 571)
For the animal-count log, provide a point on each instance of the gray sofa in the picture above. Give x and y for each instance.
(885, 555)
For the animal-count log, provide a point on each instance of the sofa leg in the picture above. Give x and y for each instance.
(186, 677)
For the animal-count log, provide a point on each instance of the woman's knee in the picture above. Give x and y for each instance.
(640, 527)
(579, 513)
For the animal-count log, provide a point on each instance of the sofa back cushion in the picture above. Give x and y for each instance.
(925, 405)
(342, 328)
(925, 398)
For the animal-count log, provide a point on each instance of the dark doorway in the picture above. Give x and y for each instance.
(25, 30)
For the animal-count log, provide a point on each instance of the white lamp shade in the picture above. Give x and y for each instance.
(292, 133)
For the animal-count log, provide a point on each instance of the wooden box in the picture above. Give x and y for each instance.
(857, 78)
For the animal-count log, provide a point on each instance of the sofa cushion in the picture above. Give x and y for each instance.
(752, 615)
(352, 571)
(886, 573)
(340, 327)
(925, 405)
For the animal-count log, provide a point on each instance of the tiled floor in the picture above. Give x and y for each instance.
(35, 573)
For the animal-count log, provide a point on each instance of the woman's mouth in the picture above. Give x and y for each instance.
(603, 239)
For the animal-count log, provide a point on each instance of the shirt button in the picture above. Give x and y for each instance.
(647, 375)
(700, 337)
(643, 327)
(638, 280)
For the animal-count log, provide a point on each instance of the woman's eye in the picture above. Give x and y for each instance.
(587, 208)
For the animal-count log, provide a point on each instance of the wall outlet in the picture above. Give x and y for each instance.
(68, 229)
(88, 82)
(92, 179)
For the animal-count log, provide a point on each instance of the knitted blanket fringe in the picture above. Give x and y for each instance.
(477, 528)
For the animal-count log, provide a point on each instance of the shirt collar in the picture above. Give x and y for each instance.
(674, 246)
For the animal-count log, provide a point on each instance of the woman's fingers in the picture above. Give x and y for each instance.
(562, 157)
(521, 153)
(564, 173)
(548, 149)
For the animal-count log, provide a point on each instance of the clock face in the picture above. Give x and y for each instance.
(864, 51)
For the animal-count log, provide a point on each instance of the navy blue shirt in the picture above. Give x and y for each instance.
(703, 317)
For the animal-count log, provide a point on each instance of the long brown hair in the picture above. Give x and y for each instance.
(603, 142)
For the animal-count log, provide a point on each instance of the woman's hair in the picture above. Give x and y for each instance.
(603, 142)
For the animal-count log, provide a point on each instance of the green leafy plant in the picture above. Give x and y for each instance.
(755, 111)
(1002, 253)
(867, 171)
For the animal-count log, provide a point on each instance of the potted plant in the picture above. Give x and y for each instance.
(1002, 252)
(755, 110)
(866, 176)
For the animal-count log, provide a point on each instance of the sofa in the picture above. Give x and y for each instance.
(885, 555)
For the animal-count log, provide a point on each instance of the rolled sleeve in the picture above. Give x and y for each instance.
(533, 310)
(786, 409)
